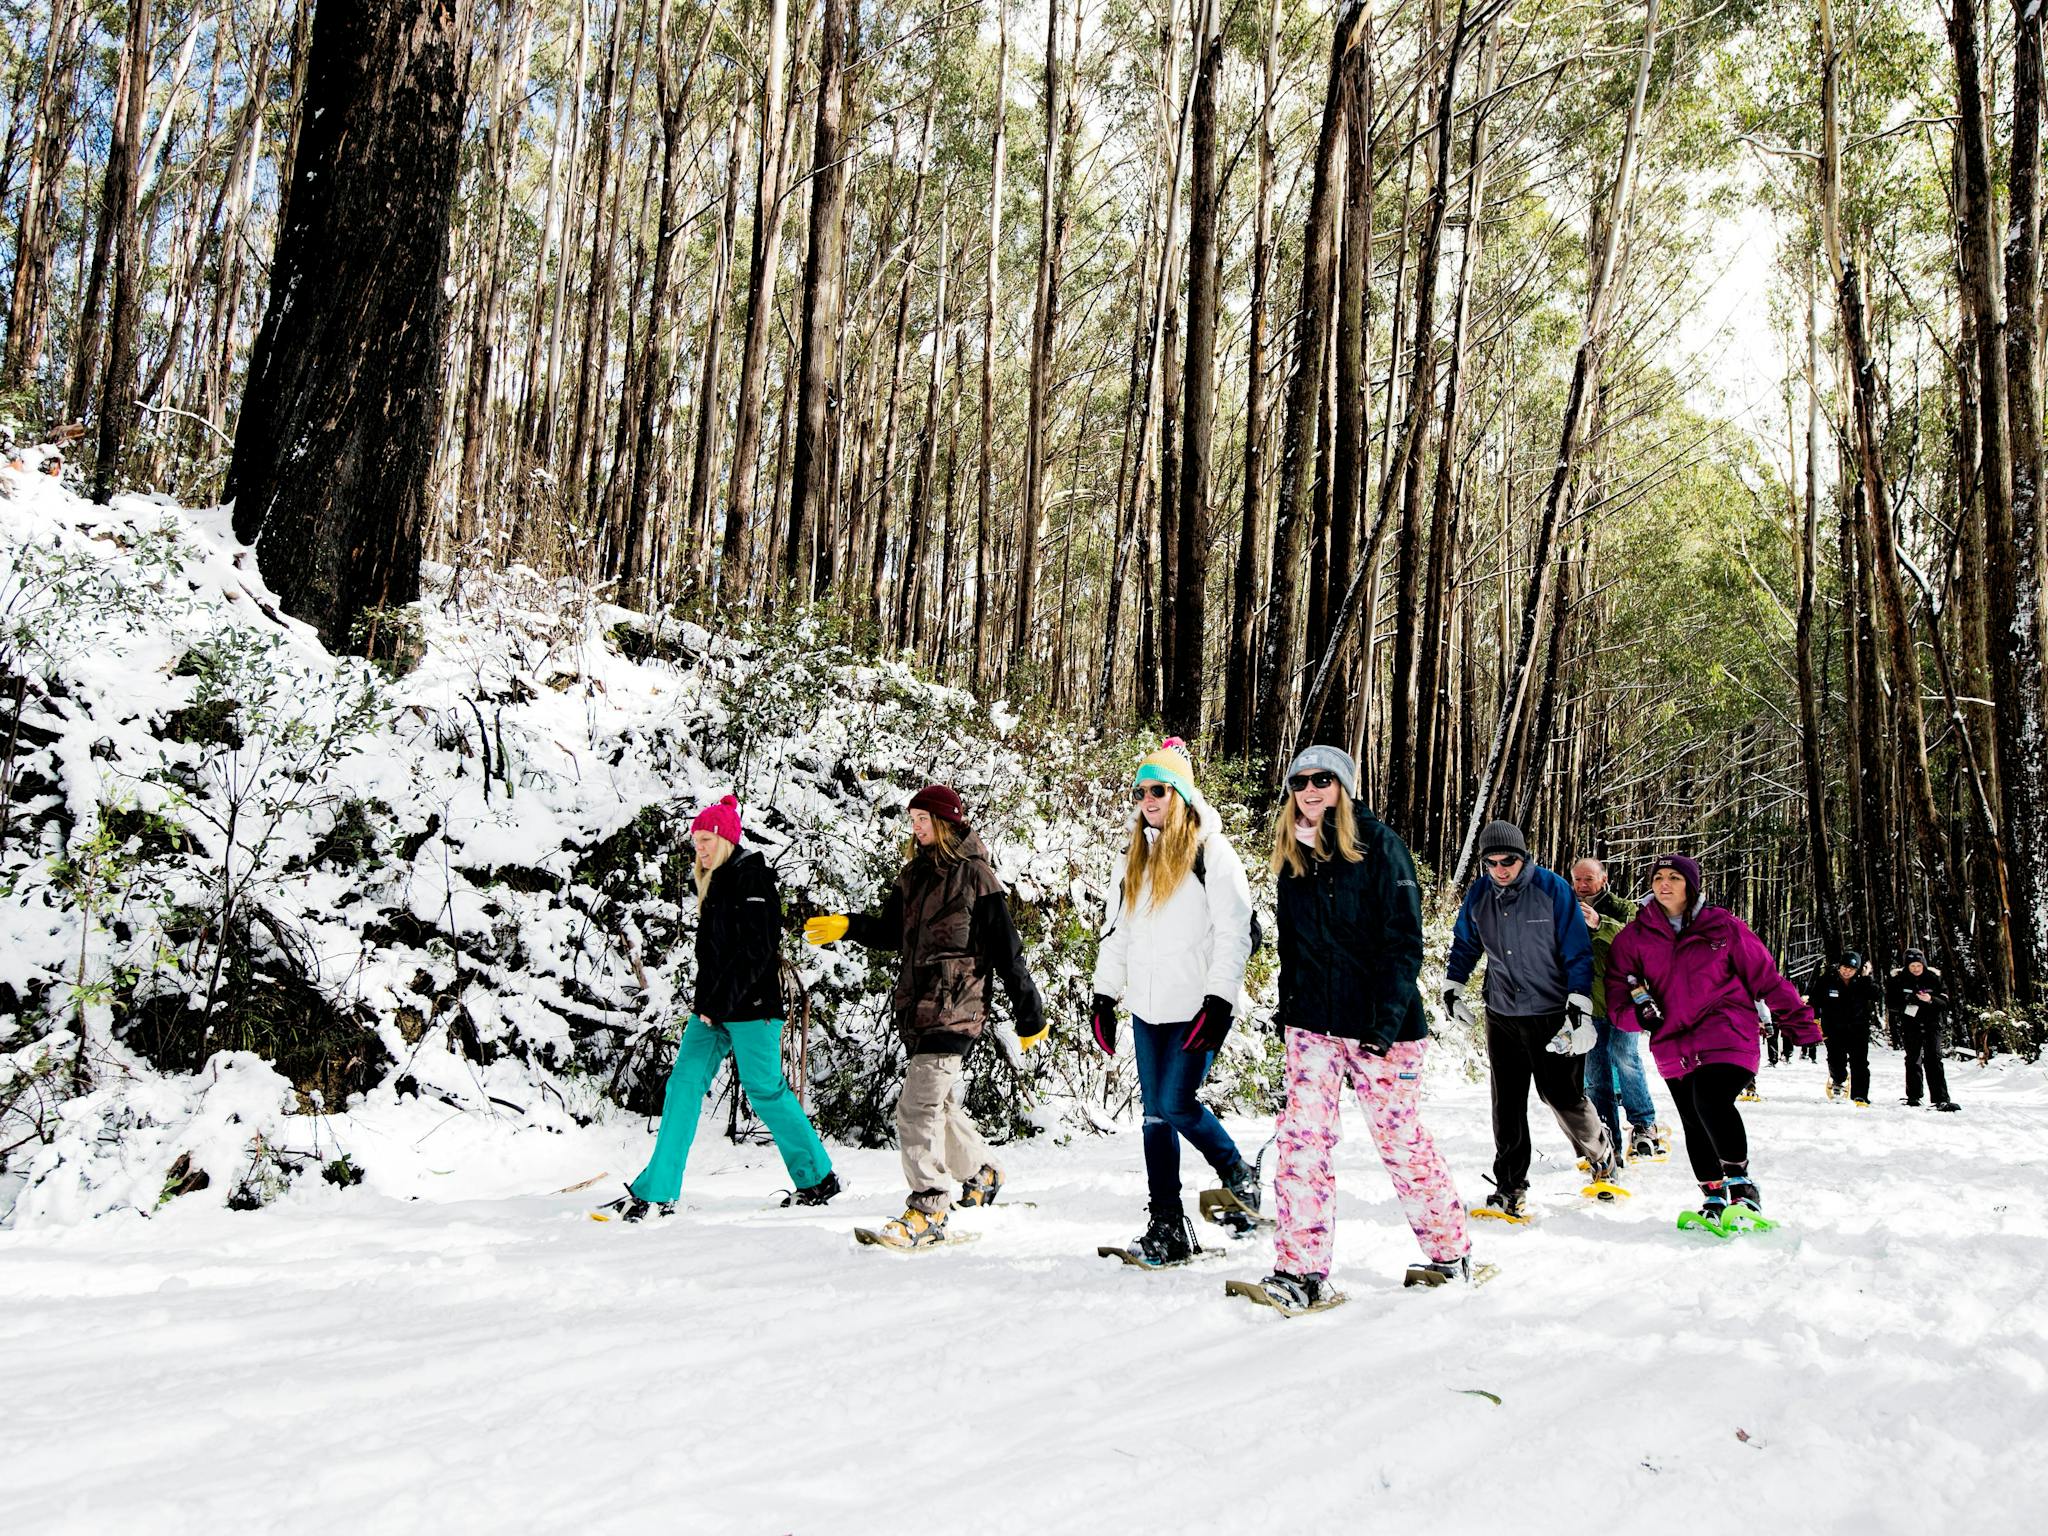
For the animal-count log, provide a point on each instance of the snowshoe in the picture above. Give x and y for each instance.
(913, 1232)
(1745, 1212)
(1709, 1217)
(1603, 1185)
(1949, 1107)
(1227, 1211)
(1167, 1243)
(1749, 1095)
(1642, 1145)
(1289, 1295)
(1504, 1205)
(820, 1193)
(1910, 1103)
(1835, 1091)
(983, 1188)
(1661, 1136)
(1430, 1273)
(1862, 1103)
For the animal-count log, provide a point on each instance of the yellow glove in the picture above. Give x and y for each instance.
(829, 929)
(1025, 1042)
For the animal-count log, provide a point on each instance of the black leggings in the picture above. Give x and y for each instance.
(1714, 1138)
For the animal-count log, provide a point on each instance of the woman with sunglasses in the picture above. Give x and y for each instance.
(1178, 934)
(1350, 942)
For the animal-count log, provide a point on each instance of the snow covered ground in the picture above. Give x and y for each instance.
(466, 1351)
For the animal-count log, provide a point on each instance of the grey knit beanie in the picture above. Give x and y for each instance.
(1333, 759)
(1503, 837)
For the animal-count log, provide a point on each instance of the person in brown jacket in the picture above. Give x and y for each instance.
(946, 913)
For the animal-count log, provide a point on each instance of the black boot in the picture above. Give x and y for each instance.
(1168, 1239)
(819, 1193)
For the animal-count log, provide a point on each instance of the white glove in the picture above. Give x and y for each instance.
(1578, 1035)
(1456, 1006)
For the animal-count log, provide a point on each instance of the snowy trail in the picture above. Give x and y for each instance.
(486, 1358)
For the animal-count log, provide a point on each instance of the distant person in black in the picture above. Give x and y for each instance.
(1918, 1000)
(1845, 999)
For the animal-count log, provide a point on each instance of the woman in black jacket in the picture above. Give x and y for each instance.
(738, 1014)
(1350, 943)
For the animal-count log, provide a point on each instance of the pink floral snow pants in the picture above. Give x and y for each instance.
(1390, 1089)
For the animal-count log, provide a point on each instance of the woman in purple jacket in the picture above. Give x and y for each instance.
(1691, 977)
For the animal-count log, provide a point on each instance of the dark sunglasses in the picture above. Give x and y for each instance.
(1504, 861)
(1150, 791)
(1321, 779)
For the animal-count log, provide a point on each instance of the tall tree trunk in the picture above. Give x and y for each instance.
(1198, 417)
(985, 477)
(36, 234)
(1242, 645)
(336, 441)
(124, 170)
(1433, 651)
(911, 597)
(1809, 704)
(1584, 386)
(1880, 535)
(710, 406)
(823, 281)
(736, 558)
(2018, 557)
(1044, 327)
(1297, 441)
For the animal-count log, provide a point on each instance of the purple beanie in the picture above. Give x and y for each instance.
(1687, 870)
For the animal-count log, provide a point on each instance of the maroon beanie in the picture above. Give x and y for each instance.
(722, 818)
(1686, 869)
(941, 802)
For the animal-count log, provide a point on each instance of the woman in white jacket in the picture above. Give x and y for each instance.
(1178, 935)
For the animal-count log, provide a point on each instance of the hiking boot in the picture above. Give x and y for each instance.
(1293, 1293)
(1949, 1107)
(630, 1207)
(1434, 1272)
(1508, 1204)
(1242, 1185)
(983, 1187)
(1168, 1240)
(1641, 1142)
(1835, 1091)
(914, 1229)
(1740, 1189)
(819, 1193)
(1606, 1171)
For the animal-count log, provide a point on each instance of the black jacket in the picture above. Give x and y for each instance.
(1902, 992)
(1843, 1007)
(1350, 942)
(739, 943)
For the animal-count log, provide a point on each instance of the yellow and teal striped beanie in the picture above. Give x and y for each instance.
(1170, 766)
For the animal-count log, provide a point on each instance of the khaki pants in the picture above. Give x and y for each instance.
(941, 1148)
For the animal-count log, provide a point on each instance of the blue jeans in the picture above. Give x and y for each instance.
(1167, 1079)
(1617, 1062)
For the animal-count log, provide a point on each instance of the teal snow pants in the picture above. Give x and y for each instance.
(755, 1046)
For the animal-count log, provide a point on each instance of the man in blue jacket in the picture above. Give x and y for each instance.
(1539, 1010)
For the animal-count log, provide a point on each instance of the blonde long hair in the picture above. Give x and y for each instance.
(1165, 861)
(721, 850)
(1336, 834)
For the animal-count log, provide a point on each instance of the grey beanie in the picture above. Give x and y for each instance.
(1335, 759)
(1502, 837)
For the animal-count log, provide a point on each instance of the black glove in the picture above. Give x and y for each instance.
(1206, 1029)
(1102, 1020)
(1374, 1046)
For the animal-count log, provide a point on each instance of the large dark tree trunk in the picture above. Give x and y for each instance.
(1298, 456)
(343, 406)
(822, 282)
(124, 165)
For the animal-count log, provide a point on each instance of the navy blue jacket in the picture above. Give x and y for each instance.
(1537, 949)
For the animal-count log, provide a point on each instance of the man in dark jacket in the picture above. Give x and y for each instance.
(1539, 1009)
(1918, 999)
(1845, 999)
(1615, 1080)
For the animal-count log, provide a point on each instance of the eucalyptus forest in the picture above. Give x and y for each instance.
(1621, 418)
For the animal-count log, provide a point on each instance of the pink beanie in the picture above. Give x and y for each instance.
(722, 818)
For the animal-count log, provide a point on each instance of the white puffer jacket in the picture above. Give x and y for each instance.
(1161, 961)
